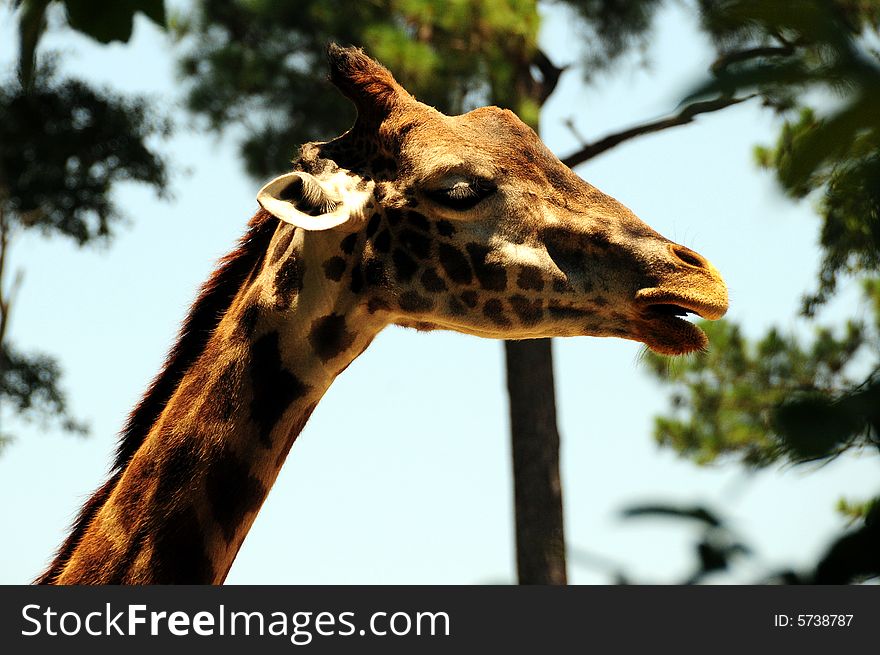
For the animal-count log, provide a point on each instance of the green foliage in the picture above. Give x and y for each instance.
(851, 557)
(29, 384)
(113, 21)
(768, 401)
(261, 65)
(816, 52)
(857, 511)
(717, 547)
(778, 400)
(612, 28)
(841, 158)
(63, 145)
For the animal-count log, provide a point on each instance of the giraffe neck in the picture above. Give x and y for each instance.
(180, 509)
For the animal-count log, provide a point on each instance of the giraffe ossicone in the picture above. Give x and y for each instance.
(412, 217)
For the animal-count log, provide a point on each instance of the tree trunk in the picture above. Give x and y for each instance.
(540, 540)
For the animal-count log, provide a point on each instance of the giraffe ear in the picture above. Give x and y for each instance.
(305, 201)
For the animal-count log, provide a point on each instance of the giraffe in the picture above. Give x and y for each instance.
(411, 217)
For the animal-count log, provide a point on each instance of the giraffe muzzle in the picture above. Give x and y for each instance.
(692, 286)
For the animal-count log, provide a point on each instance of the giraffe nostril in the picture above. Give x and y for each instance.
(688, 256)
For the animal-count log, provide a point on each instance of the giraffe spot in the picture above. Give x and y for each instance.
(418, 244)
(530, 278)
(469, 298)
(562, 312)
(445, 228)
(561, 285)
(283, 243)
(248, 321)
(566, 253)
(374, 273)
(179, 470)
(456, 308)
(406, 128)
(274, 387)
(329, 336)
(494, 311)
(394, 216)
(383, 241)
(141, 473)
(600, 241)
(491, 276)
(357, 279)
(226, 390)
(455, 264)
(334, 268)
(298, 425)
(377, 304)
(179, 555)
(530, 312)
(373, 225)
(404, 265)
(432, 282)
(413, 302)
(383, 165)
(288, 282)
(348, 243)
(418, 221)
(232, 491)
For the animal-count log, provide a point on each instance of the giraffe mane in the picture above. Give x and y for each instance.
(214, 299)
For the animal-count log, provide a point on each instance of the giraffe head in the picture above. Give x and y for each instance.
(470, 223)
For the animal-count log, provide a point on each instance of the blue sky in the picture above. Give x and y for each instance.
(403, 473)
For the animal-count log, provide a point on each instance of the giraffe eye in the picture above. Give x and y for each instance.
(462, 195)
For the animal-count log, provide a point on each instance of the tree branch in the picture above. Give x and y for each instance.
(729, 58)
(550, 74)
(4, 303)
(685, 116)
(6, 296)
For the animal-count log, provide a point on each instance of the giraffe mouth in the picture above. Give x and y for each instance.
(657, 302)
(670, 309)
(664, 330)
(663, 326)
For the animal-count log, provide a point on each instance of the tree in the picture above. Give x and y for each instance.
(63, 147)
